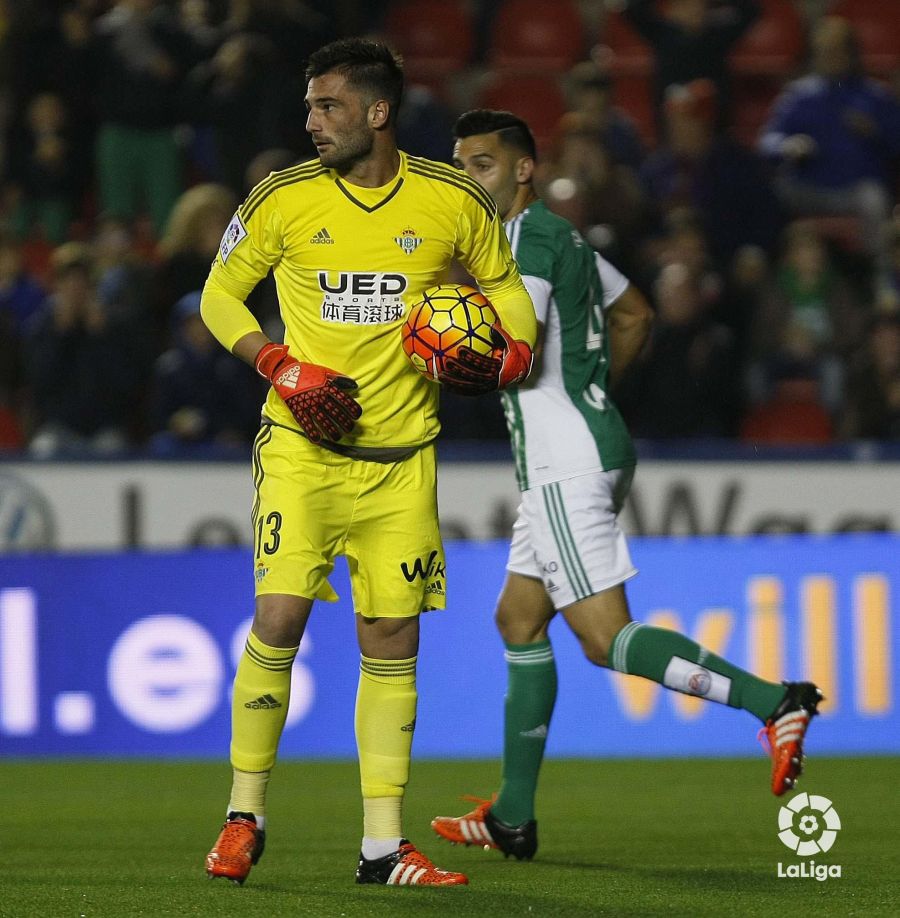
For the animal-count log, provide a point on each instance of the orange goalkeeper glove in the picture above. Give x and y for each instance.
(471, 373)
(317, 397)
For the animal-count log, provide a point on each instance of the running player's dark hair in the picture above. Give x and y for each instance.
(370, 66)
(513, 131)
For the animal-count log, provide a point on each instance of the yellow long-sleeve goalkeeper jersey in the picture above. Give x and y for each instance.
(348, 263)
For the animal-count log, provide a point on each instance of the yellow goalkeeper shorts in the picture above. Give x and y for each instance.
(313, 505)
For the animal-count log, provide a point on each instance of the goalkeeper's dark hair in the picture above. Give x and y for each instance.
(513, 131)
(370, 66)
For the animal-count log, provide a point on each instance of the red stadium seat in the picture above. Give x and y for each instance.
(536, 98)
(534, 33)
(843, 231)
(631, 55)
(435, 37)
(774, 44)
(877, 26)
(753, 100)
(633, 93)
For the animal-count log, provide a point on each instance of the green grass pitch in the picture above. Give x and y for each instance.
(621, 838)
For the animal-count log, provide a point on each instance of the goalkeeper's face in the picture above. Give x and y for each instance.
(339, 122)
(501, 170)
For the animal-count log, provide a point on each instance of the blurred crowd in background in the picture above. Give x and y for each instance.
(738, 160)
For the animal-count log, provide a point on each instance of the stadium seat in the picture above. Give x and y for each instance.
(753, 98)
(774, 44)
(435, 37)
(537, 98)
(534, 33)
(877, 25)
(845, 232)
(633, 93)
(631, 55)
(36, 254)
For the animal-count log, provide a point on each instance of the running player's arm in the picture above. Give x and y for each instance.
(628, 317)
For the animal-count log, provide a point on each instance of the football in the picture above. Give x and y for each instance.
(447, 317)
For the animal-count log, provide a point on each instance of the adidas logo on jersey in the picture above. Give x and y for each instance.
(263, 703)
(323, 237)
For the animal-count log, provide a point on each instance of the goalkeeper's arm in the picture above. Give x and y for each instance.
(515, 334)
(317, 396)
(512, 303)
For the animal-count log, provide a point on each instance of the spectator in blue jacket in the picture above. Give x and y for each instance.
(21, 296)
(201, 395)
(711, 174)
(836, 135)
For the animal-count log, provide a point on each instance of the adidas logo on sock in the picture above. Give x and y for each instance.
(264, 702)
(539, 732)
(323, 237)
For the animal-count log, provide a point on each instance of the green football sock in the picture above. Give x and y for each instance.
(679, 663)
(530, 697)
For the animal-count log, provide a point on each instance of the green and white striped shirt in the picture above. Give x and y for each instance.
(562, 423)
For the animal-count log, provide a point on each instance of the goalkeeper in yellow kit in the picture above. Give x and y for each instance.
(344, 462)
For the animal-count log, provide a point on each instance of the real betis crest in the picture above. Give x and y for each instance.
(408, 241)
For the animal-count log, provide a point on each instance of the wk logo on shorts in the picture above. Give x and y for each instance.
(430, 567)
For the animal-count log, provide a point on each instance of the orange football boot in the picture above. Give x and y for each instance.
(481, 827)
(406, 866)
(785, 731)
(239, 846)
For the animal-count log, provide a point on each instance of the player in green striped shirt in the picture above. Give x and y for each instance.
(574, 463)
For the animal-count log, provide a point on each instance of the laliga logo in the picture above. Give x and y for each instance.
(808, 825)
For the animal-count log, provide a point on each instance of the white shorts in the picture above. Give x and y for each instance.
(567, 534)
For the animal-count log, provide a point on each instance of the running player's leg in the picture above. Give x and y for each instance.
(601, 621)
(524, 612)
(609, 638)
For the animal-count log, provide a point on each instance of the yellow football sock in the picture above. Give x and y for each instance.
(248, 794)
(262, 689)
(383, 818)
(385, 721)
